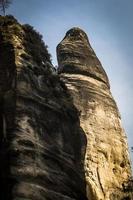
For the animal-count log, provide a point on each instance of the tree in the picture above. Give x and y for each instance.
(4, 4)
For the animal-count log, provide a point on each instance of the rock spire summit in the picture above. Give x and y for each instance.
(75, 55)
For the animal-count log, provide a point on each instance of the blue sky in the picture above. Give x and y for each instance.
(109, 25)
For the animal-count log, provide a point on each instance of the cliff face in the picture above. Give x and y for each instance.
(48, 122)
(42, 145)
(107, 160)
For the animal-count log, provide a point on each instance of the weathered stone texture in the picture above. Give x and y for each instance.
(107, 163)
(42, 145)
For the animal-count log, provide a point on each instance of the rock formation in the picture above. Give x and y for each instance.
(107, 163)
(49, 121)
(42, 145)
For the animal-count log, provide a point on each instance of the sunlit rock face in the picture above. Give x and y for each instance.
(42, 145)
(107, 163)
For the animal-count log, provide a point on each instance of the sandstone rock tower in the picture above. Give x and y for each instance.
(107, 163)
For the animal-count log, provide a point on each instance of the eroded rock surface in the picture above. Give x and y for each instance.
(107, 159)
(42, 145)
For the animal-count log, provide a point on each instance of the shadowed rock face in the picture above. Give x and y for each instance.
(42, 145)
(107, 163)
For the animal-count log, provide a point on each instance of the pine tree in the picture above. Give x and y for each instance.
(4, 4)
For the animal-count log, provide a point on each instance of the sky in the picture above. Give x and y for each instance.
(109, 26)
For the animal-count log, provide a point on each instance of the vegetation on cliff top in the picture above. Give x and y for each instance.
(35, 45)
(32, 40)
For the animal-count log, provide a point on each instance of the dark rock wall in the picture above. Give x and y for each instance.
(42, 145)
(7, 109)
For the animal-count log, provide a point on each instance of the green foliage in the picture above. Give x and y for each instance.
(35, 46)
(8, 20)
(9, 26)
(33, 43)
(128, 189)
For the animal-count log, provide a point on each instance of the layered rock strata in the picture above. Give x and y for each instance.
(42, 145)
(107, 163)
